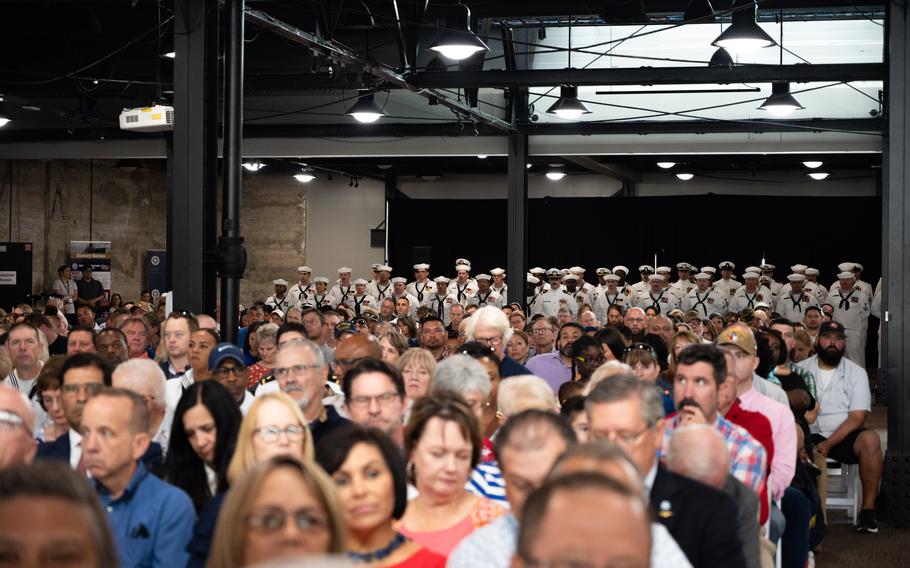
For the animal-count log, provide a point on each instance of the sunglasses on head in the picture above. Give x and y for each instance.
(639, 347)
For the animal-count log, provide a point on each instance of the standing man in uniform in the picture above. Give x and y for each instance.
(703, 299)
(657, 297)
(499, 285)
(382, 287)
(440, 301)
(609, 296)
(727, 285)
(685, 284)
(622, 272)
(645, 271)
(549, 301)
(279, 300)
(362, 300)
(463, 287)
(812, 278)
(343, 292)
(571, 288)
(767, 270)
(485, 295)
(601, 284)
(749, 294)
(399, 291)
(586, 287)
(851, 309)
(301, 291)
(422, 287)
(794, 300)
(320, 296)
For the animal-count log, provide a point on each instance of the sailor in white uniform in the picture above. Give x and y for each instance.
(381, 288)
(422, 287)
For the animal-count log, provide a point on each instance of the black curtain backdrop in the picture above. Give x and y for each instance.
(591, 232)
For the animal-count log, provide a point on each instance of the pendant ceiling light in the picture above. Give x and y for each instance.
(568, 106)
(306, 175)
(685, 176)
(743, 35)
(457, 41)
(818, 175)
(666, 165)
(4, 118)
(365, 109)
(813, 164)
(781, 102)
(721, 58)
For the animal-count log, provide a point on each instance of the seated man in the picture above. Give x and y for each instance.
(844, 399)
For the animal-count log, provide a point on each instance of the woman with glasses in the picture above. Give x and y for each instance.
(587, 357)
(417, 366)
(282, 509)
(266, 348)
(643, 360)
(491, 362)
(50, 399)
(442, 444)
(371, 484)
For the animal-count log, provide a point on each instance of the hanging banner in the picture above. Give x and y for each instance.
(96, 254)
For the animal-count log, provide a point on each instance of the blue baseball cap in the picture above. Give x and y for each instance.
(224, 351)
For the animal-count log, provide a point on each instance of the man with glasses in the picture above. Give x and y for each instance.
(17, 420)
(556, 367)
(628, 412)
(300, 371)
(374, 397)
(226, 366)
(82, 377)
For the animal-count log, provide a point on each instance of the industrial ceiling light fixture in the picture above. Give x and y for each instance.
(721, 58)
(781, 103)
(555, 173)
(481, 156)
(666, 165)
(306, 175)
(743, 35)
(685, 176)
(568, 106)
(365, 109)
(457, 41)
(818, 176)
(813, 164)
(253, 166)
(4, 118)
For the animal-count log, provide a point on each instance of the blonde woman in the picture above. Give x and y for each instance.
(253, 527)
(274, 426)
(417, 366)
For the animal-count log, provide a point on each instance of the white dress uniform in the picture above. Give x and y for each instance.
(379, 291)
(813, 288)
(606, 299)
(503, 293)
(463, 291)
(705, 303)
(682, 288)
(421, 290)
(318, 300)
(727, 287)
(342, 295)
(550, 300)
(743, 299)
(365, 301)
(441, 305)
(300, 293)
(489, 298)
(665, 301)
(793, 306)
(282, 303)
(852, 309)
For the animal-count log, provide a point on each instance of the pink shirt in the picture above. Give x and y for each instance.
(783, 431)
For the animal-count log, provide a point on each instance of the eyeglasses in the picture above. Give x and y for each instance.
(275, 519)
(489, 340)
(296, 370)
(384, 399)
(542, 330)
(270, 434)
(599, 360)
(89, 388)
(10, 421)
(622, 437)
(222, 373)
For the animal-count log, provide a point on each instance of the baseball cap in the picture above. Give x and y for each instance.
(832, 327)
(224, 351)
(739, 335)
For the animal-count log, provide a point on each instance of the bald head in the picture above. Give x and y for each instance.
(206, 322)
(698, 452)
(17, 446)
(662, 327)
(355, 347)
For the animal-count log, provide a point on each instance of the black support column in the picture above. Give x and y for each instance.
(896, 265)
(191, 143)
(517, 217)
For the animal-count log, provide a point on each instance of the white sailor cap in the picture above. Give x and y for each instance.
(280, 282)
(307, 305)
(857, 266)
(570, 276)
(277, 312)
(644, 268)
(799, 268)
(554, 273)
(375, 265)
(663, 270)
(845, 274)
(708, 269)
(765, 279)
(767, 266)
(441, 279)
(497, 272)
(563, 271)
(602, 271)
(537, 270)
(460, 267)
(620, 267)
(762, 305)
(753, 269)
(796, 277)
(486, 277)
(383, 268)
(344, 269)
(463, 261)
(751, 274)
(611, 277)
(533, 279)
(811, 271)
(304, 269)
(845, 266)
(360, 282)
(703, 276)
(422, 266)
(321, 279)
(577, 270)
(656, 278)
(683, 266)
(727, 265)
(399, 280)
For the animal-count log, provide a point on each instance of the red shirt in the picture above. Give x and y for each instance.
(760, 428)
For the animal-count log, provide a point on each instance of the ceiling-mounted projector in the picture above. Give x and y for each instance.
(158, 118)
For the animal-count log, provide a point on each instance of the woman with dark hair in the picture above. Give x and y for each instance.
(587, 357)
(203, 437)
(116, 301)
(408, 328)
(613, 343)
(371, 484)
(66, 287)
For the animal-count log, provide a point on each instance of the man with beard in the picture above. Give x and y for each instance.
(637, 324)
(433, 337)
(556, 367)
(279, 300)
(812, 321)
(839, 433)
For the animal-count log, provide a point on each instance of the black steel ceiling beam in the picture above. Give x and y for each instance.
(799, 73)
(545, 8)
(870, 125)
(346, 56)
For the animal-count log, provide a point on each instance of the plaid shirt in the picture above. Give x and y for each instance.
(748, 460)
